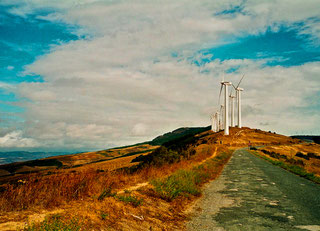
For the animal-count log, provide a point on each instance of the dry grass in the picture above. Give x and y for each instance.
(62, 187)
(118, 213)
(289, 155)
(76, 191)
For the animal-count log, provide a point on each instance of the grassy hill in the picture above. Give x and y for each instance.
(81, 159)
(136, 187)
(179, 133)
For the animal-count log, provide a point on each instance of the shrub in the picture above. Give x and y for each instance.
(301, 155)
(103, 215)
(106, 193)
(313, 155)
(159, 157)
(181, 182)
(135, 201)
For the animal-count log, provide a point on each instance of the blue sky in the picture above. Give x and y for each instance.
(98, 74)
(286, 47)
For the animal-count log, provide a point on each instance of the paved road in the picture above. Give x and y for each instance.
(252, 194)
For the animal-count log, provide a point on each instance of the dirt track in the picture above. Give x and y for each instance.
(252, 194)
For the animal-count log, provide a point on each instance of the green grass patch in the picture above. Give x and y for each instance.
(107, 192)
(126, 198)
(181, 182)
(55, 223)
(188, 182)
(130, 199)
(103, 215)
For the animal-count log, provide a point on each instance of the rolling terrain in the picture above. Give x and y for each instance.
(139, 187)
(81, 159)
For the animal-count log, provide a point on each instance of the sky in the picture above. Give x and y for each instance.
(90, 74)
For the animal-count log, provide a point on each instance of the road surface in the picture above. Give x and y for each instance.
(252, 194)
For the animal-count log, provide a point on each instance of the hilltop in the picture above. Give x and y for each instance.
(120, 188)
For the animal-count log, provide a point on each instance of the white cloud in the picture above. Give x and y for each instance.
(15, 139)
(124, 85)
(4, 85)
(140, 129)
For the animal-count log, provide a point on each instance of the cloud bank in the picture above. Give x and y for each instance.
(135, 75)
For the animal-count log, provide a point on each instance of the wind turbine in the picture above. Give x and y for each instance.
(213, 123)
(218, 121)
(216, 115)
(221, 118)
(225, 84)
(238, 92)
(232, 97)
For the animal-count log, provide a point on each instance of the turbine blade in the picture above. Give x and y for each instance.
(240, 81)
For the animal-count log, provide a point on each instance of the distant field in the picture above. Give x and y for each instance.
(106, 159)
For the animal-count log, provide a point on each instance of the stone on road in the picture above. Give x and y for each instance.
(252, 194)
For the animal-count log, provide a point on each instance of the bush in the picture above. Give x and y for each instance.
(181, 182)
(135, 201)
(301, 155)
(313, 155)
(103, 215)
(106, 193)
(159, 157)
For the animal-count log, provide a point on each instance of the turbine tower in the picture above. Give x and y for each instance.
(225, 84)
(232, 97)
(238, 92)
(217, 121)
(213, 123)
(221, 118)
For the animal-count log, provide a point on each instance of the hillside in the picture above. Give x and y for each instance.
(120, 188)
(179, 133)
(315, 139)
(80, 159)
(76, 160)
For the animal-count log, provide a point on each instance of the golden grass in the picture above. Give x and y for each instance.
(76, 191)
(61, 187)
(311, 165)
(111, 213)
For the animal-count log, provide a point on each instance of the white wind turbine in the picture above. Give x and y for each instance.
(218, 121)
(225, 84)
(232, 97)
(238, 95)
(213, 122)
(221, 117)
(216, 115)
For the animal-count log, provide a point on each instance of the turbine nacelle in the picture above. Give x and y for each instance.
(226, 83)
